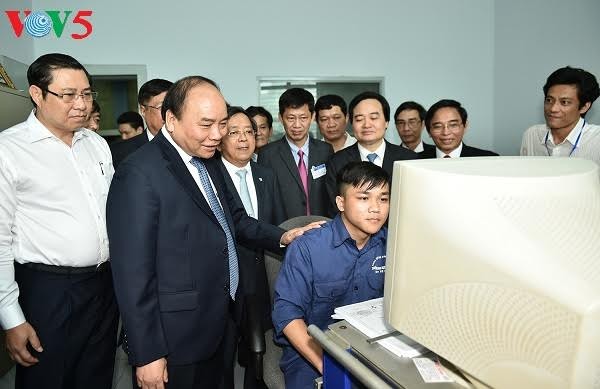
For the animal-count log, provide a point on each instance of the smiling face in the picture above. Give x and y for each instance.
(59, 117)
(202, 124)
(447, 129)
(239, 143)
(364, 211)
(561, 108)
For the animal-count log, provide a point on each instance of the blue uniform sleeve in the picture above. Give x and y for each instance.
(293, 288)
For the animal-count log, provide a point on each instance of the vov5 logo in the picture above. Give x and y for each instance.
(39, 23)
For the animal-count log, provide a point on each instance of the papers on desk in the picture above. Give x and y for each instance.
(368, 318)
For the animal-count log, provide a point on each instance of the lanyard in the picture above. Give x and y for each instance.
(574, 146)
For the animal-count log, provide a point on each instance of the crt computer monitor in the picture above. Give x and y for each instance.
(494, 264)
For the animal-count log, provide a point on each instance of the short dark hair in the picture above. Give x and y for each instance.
(95, 107)
(39, 72)
(411, 105)
(254, 110)
(234, 110)
(360, 173)
(175, 98)
(132, 118)
(328, 101)
(152, 88)
(296, 98)
(370, 95)
(446, 103)
(585, 83)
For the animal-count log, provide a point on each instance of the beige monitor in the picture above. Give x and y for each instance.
(494, 264)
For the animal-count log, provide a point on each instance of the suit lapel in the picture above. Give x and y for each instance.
(259, 184)
(180, 171)
(388, 159)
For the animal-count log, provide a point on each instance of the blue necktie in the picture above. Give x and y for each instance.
(220, 215)
(244, 192)
(371, 157)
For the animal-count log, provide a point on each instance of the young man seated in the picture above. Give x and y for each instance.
(337, 264)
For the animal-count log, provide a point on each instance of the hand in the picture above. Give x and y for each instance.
(152, 375)
(292, 234)
(17, 339)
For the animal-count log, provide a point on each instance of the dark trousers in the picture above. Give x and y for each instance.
(75, 317)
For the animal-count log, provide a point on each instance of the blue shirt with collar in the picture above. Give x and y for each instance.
(323, 269)
(295, 150)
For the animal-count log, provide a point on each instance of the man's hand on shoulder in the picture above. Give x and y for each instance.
(17, 339)
(292, 234)
(153, 375)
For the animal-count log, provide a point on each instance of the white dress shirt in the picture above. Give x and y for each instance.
(453, 154)
(380, 151)
(52, 204)
(232, 170)
(588, 147)
(420, 148)
(149, 135)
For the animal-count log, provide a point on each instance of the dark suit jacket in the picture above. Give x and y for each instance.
(169, 255)
(338, 160)
(278, 156)
(467, 151)
(121, 149)
(426, 148)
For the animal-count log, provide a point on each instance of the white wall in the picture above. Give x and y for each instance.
(533, 38)
(491, 56)
(20, 49)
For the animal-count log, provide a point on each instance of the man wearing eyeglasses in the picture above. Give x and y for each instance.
(568, 96)
(409, 119)
(332, 118)
(150, 99)
(446, 122)
(57, 304)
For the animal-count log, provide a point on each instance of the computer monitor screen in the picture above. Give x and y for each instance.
(494, 264)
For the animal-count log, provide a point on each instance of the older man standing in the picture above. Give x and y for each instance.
(178, 294)
(57, 304)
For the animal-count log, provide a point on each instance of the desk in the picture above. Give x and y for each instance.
(349, 359)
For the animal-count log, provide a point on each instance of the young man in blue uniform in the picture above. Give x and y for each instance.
(341, 263)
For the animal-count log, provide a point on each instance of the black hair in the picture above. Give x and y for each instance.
(370, 95)
(585, 83)
(328, 101)
(446, 103)
(132, 118)
(175, 98)
(234, 110)
(296, 98)
(95, 107)
(260, 111)
(361, 173)
(39, 72)
(410, 105)
(152, 88)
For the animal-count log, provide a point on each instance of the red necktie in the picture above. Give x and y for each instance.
(303, 177)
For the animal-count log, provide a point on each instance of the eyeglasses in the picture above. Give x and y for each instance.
(69, 97)
(412, 123)
(237, 133)
(451, 126)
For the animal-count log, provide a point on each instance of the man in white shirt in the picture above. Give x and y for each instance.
(57, 304)
(568, 96)
(331, 115)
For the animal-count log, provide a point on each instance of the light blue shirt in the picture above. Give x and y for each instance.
(295, 149)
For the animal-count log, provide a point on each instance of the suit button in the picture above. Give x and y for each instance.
(225, 250)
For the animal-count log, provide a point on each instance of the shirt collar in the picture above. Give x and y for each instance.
(417, 149)
(295, 148)
(184, 156)
(149, 134)
(453, 154)
(341, 234)
(380, 151)
(37, 131)
(232, 169)
(571, 138)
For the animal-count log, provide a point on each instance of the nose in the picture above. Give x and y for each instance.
(216, 133)
(78, 103)
(374, 206)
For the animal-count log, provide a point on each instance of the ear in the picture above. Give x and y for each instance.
(585, 108)
(36, 94)
(339, 201)
(170, 121)
(466, 128)
(142, 111)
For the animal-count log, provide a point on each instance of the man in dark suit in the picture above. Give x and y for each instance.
(369, 116)
(175, 264)
(410, 121)
(297, 159)
(446, 122)
(150, 99)
(255, 187)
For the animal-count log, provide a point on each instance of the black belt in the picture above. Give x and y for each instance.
(104, 266)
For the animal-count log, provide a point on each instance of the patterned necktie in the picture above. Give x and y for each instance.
(371, 157)
(303, 177)
(244, 192)
(220, 215)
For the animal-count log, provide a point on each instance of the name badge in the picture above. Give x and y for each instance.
(318, 171)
